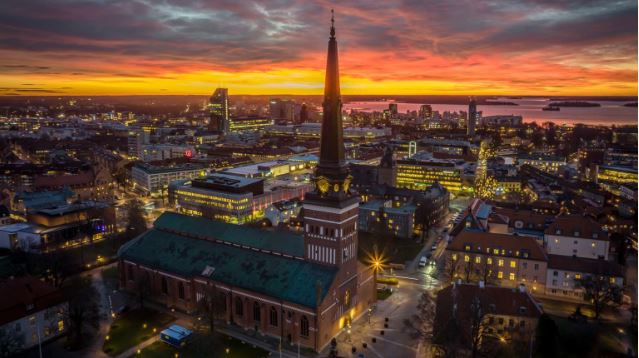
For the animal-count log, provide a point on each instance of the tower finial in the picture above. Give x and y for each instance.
(332, 23)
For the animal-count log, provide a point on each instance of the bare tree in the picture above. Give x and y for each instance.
(143, 286)
(83, 313)
(468, 270)
(420, 324)
(486, 273)
(600, 291)
(212, 304)
(451, 268)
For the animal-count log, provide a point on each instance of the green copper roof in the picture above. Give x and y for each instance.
(196, 227)
(289, 279)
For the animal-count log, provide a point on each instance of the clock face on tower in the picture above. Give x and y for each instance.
(322, 184)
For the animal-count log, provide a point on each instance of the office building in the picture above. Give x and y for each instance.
(422, 171)
(219, 111)
(155, 179)
(471, 120)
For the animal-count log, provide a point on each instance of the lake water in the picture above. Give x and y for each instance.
(610, 112)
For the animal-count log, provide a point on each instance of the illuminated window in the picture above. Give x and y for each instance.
(466, 258)
(500, 263)
(454, 257)
(511, 276)
(477, 259)
(500, 274)
(489, 261)
(513, 264)
(60, 325)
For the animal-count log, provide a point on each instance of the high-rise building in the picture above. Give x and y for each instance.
(282, 109)
(472, 117)
(219, 111)
(426, 112)
(331, 210)
(303, 113)
(392, 107)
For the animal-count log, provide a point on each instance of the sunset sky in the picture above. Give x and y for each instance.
(542, 47)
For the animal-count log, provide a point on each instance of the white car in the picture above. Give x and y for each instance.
(422, 261)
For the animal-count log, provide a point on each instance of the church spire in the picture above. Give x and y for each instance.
(331, 161)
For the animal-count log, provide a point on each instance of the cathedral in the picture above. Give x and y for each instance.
(303, 289)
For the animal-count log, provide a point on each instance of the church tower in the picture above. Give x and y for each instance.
(331, 210)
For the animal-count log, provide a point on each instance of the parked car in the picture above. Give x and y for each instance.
(423, 261)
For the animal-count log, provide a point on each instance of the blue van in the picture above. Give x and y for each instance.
(177, 336)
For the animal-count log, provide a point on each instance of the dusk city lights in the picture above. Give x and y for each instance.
(289, 178)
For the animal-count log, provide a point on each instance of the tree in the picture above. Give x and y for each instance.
(469, 269)
(136, 224)
(600, 291)
(56, 267)
(212, 304)
(10, 342)
(451, 268)
(547, 337)
(420, 324)
(143, 286)
(486, 273)
(83, 313)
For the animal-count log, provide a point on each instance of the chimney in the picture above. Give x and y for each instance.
(481, 284)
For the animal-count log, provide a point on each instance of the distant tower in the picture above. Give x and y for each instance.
(219, 110)
(472, 117)
(392, 107)
(304, 113)
(387, 170)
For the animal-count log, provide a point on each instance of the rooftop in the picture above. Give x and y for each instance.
(583, 265)
(288, 279)
(284, 243)
(508, 245)
(577, 226)
(28, 295)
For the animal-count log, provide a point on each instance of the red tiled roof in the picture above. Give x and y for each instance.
(583, 265)
(512, 245)
(454, 303)
(577, 226)
(25, 295)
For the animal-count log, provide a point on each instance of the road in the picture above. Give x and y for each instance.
(396, 340)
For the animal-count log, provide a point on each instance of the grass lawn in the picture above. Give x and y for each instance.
(129, 330)
(205, 345)
(394, 249)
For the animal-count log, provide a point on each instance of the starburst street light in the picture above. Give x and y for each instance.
(377, 261)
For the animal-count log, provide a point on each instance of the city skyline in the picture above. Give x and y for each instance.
(519, 48)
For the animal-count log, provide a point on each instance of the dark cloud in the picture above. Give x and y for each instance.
(179, 35)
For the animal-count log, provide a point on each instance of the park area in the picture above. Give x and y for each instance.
(133, 328)
(204, 345)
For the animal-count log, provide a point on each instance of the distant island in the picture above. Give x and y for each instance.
(631, 104)
(573, 104)
(501, 103)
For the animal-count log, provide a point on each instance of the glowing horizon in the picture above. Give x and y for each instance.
(521, 48)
